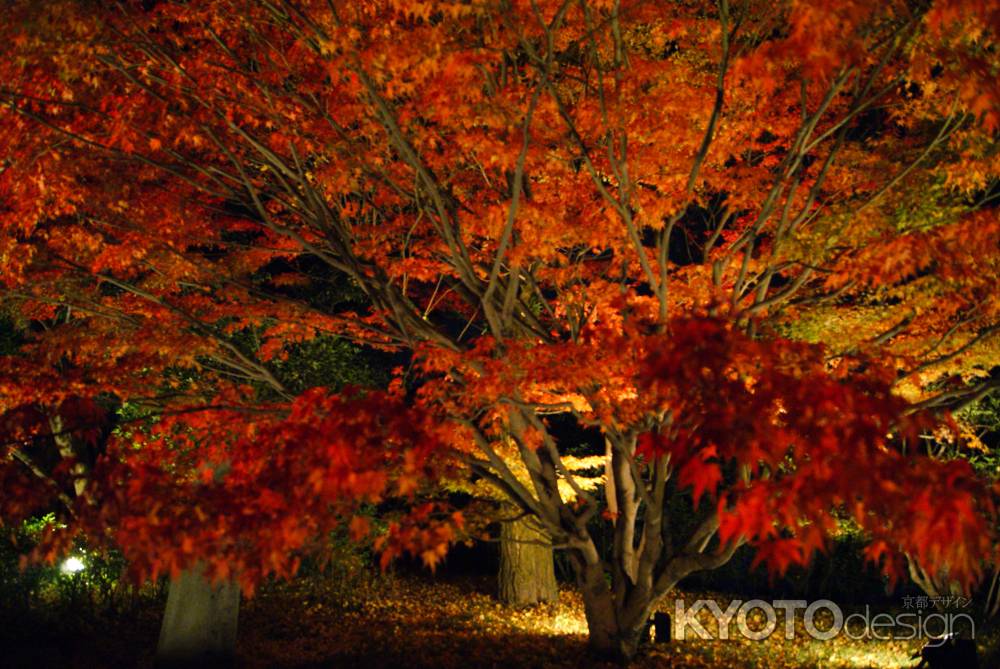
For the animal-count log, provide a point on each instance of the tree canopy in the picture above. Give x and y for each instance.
(755, 244)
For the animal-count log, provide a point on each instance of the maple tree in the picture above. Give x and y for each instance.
(734, 237)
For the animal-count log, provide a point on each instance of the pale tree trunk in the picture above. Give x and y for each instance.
(992, 606)
(617, 626)
(199, 624)
(621, 594)
(935, 585)
(649, 555)
(527, 570)
(599, 609)
(68, 451)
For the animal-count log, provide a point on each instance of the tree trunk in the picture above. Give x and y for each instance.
(937, 586)
(619, 624)
(527, 570)
(199, 624)
(604, 635)
(992, 604)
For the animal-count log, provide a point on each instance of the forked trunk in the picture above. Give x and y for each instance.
(613, 635)
(937, 586)
(199, 624)
(618, 626)
(527, 572)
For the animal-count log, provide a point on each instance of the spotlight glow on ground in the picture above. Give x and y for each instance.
(72, 565)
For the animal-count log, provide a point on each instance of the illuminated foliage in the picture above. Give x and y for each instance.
(734, 237)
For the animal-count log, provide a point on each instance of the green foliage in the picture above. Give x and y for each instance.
(10, 336)
(983, 419)
(19, 587)
(325, 361)
(32, 590)
(934, 204)
(331, 362)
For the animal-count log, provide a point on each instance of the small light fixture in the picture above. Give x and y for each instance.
(72, 565)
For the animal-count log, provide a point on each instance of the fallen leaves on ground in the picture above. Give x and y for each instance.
(422, 621)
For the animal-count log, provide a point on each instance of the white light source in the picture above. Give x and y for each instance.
(72, 565)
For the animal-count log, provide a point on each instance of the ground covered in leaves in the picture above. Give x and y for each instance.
(420, 621)
(427, 622)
